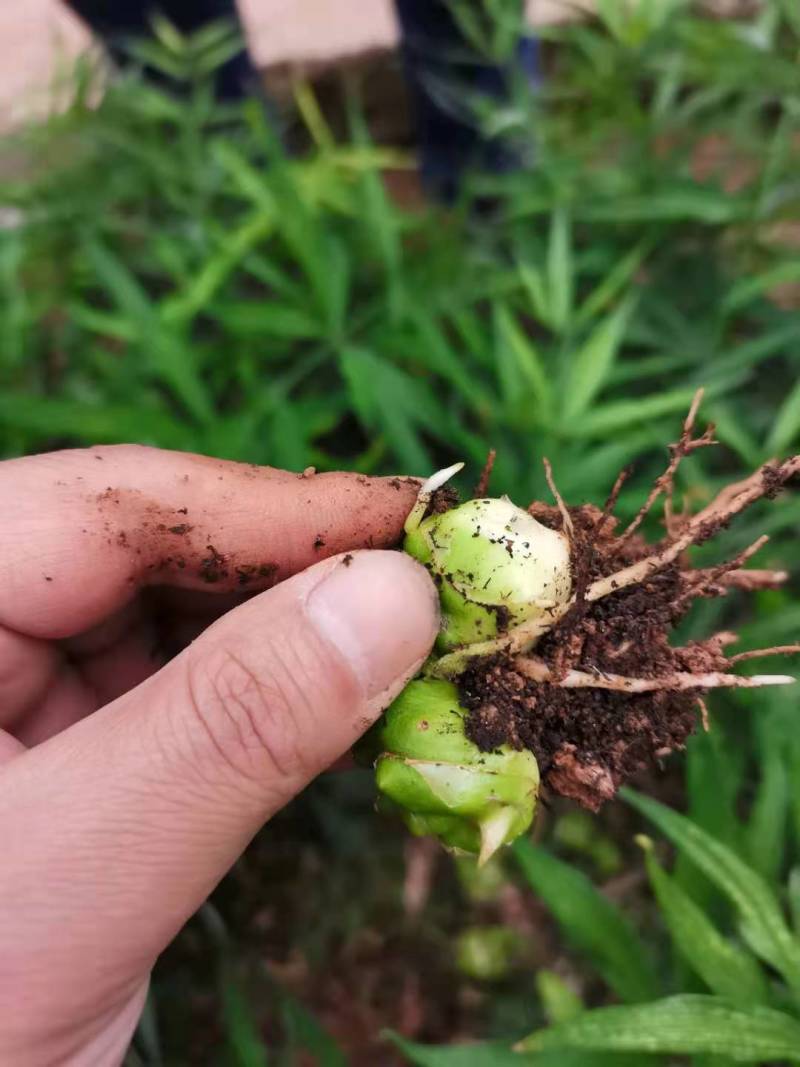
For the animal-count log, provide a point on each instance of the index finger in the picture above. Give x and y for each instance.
(85, 528)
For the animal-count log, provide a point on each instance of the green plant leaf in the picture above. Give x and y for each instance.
(252, 319)
(519, 364)
(385, 396)
(766, 831)
(617, 416)
(49, 417)
(498, 1054)
(613, 284)
(679, 1025)
(303, 1032)
(786, 427)
(559, 1001)
(749, 289)
(241, 1032)
(763, 925)
(725, 969)
(560, 276)
(188, 302)
(591, 365)
(432, 348)
(589, 922)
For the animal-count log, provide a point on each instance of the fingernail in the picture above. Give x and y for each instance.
(380, 610)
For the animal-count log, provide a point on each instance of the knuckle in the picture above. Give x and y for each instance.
(250, 722)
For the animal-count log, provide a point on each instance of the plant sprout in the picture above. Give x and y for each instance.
(554, 655)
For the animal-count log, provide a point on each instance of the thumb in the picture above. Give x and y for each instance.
(115, 831)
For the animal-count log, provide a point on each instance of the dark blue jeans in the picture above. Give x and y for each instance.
(442, 70)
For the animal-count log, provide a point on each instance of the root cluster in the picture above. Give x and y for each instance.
(604, 694)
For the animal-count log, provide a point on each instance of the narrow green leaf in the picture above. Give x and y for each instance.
(714, 775)
(477, 1055)
(499, 1054)
(748, 289)
(120, 282)
(560, 275)
(311, 113)
(613, 284)
(610, 418)
(793, 892)
(681, 1025)
(560, 1002)
(724, 968)
(533, 283)
(241, 1030)
(168, 35)
(104, 323)
(379, 219)
(794, 773)
(591, 365)
(524, 368)
(786, 427)
(693, 202)
(390, 401)
(763, 925)
(766, 831)
(252, 319)
(791, 14)
(250, 182)
(49, 417)
(432, 347)
(192, 298)
(590, 922)
(733, 432)
(303, 1032)
(748, 355)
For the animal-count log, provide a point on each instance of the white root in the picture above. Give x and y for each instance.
(729, 502)
(566, 518)
(663, 484)
(538, 671)
(757, 653)
(705, 718)
(517, 639)
(747, 580)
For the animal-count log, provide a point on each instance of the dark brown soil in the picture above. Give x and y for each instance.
(589, 741)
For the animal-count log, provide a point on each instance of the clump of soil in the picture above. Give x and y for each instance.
(603, 693)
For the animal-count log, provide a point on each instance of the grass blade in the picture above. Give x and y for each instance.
(787, 424)
(610, 418)
(497, 1054)
(519, 363)
(243, 1039)
(592, 363)
(590, 922)
(725, 969)
(303, 1032)
(560, 275)
(613, 284)
(681, 1025)
(763, 925)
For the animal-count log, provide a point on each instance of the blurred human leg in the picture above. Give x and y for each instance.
(443, 69)
(117, 21)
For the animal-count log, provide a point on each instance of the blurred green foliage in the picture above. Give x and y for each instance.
(170, 275)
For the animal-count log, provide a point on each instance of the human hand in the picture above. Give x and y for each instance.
(129, 784)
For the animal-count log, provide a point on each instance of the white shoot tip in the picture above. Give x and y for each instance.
(437, 480)
(427, 489)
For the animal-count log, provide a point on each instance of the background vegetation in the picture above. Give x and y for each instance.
(170, 275)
